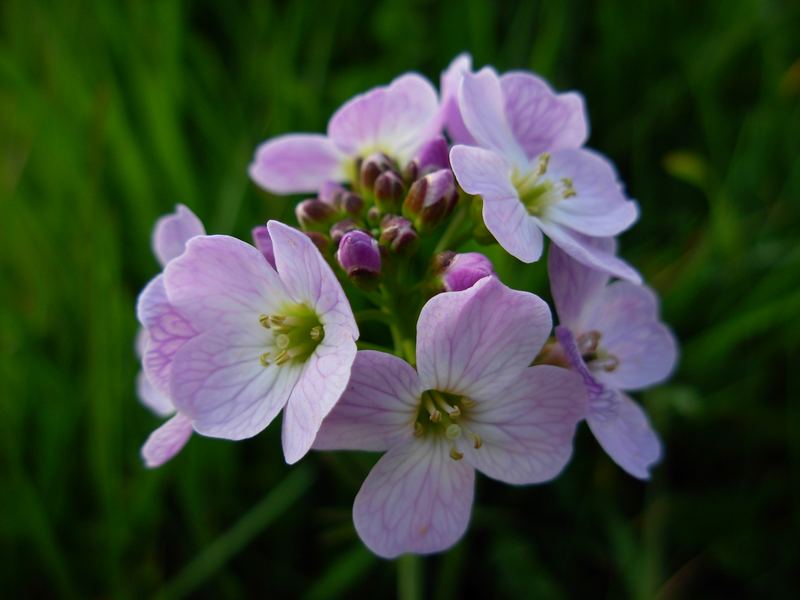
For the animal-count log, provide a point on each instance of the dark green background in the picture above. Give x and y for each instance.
(111, 112)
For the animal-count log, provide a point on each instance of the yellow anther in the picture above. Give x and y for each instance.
(315, 333)
(264, 359)
(419, 430)
(569, 190)
(436, 416)
(455, 454)
(282, 357)
(541, 166)
(264, 320)
(452, 432)
(467, 402)
(476, 439)
(455, 413)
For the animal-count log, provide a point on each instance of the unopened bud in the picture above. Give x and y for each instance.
(350, 203)
(372, 167)
(389, 190)
(314, 214)
(461, 271)
(398, 235)
(359, 256)
(431, 199)
(373, 216)
(263, 242)
(434, 155)
(340, 228)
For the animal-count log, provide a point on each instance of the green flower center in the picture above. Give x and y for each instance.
(296, 333)
(538, 194)
(444, 414)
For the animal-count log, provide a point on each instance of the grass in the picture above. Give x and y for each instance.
(110, 113)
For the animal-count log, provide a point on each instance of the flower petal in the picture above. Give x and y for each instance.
(166, 441)
(450, 115)
(479, 340)
(173, 231)
(585, 252)
(599, 206)
(627, 317)
(158, 403)
(324, 379)
(416, 499)
(481, 103)
(308, 278)
(295, 163)
(395, 119)
(625, 433)
(219, 383)
(573, 284)
(540, 119)
(220, 279)
(263, 242)
(166, 331)
(526, 429)
(378, 408)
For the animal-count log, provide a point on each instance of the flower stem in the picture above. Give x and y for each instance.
(409, 577)
(452, 228)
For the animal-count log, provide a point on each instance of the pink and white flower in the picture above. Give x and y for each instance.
(532, 173)
(246, 340)
(612, 336)
(395, 120)
(473, 403)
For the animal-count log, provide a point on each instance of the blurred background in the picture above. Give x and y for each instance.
(112, 112)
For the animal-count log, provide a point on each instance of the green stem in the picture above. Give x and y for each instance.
(373, 314)
(452, 228)
(409, 577)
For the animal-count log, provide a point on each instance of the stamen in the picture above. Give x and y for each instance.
(453, 432)
(608, 363)
(419, 430)
(569, 190)
(315, 333)
(435, 415)
(264, 359)
(455, 454)
(588, 342)
(264, 320)
(541, 166)
(282, 357)
(476, 439)
(467, 402)
(452, 411)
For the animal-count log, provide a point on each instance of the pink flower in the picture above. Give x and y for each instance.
(242, 340)
(473, 403)
(170, 235)
(395, 120)
(612, 336)
(532, 173)
(451, 116)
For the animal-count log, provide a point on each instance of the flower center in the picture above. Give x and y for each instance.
(537, 193)
(595, 357)
(444, 414)
(296, 333)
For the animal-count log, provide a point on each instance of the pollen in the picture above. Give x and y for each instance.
(296, 332)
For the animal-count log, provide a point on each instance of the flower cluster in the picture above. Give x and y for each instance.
(475, 379)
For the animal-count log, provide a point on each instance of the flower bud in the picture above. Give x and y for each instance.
(389, 190)
(350, 203)
(434, 155)
(431, 199)
(373, 216)
(398, 235)
(340, 228)
(314, 214)
(359, 256)
(372, 167)
(263, 242)
(461, 271)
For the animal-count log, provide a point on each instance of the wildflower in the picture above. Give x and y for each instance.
(461, 271)
(611, 335)
(532, 173)
(473, 403)
(359, 256)
(398, 235)
(263, 338)
(431, 199)
(394, 120)
(450, 114)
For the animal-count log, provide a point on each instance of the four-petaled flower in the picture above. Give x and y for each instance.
(473, 403)
(612, 336)
(532, 173)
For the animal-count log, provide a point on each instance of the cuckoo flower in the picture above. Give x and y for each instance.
(532, 173)
(161, 332)
(473, 403)
(611, 335)
(450, 115)
(263, 338)
(394, 120)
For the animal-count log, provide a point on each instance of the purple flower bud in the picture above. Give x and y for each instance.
(431, 199)
(462, 271)
(434, 155)
(389, 190)
(398, 235)
(340, 228)
(350, 203)
(314, 214)
(372, 167)
(263, 242)
(359, 256)
(373, 216)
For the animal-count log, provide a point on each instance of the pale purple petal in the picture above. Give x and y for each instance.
(299, 162)
(263, 242)
(416, 499)
(566, 338)
(482, 172)
(599, 206)
(167, 331)
(378, 408)
(540, 119)
(308, 278)
(158, 403)
(627, 317)
(577, 246)
(219, 382)
(513, 228)
(573, 284)
(480, 100)
(325, 376)
(526, 429)
(451, 116)
(173, 231)
(433, 155)
(479, 340)
(395, 119)
(166, 441)
(625, 433)
(220, 279)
